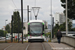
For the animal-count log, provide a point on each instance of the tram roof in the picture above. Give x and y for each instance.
(36, 21)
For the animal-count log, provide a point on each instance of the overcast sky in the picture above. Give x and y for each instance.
(7, 7)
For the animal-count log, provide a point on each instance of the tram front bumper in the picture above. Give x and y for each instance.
(39, 38)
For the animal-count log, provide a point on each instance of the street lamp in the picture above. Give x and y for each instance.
(51, 26)
(51, 18)
(66, 19)
(5, 29)
(22, 18)
(30, 15)
(36, 11)
(28, 10)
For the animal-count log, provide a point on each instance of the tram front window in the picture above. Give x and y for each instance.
(36, 29)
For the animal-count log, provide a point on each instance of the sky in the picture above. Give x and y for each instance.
(7, 7)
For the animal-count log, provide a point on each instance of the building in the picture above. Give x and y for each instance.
(59, 18)
(3, 28)
(46, 24)
(25, 24)
(47, 30)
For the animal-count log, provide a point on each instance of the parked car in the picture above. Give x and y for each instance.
(24, 39)
(3, 38)
(8, 38)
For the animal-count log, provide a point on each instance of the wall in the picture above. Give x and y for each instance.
(66, 39)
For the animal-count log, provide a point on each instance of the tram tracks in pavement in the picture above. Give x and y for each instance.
(35, 46)
(43, 47)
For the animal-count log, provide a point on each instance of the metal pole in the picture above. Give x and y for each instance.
(51, 19)
(52, 27)
(18, 28)
(66, 19)
(28, 12)
(18, 32)
(30, 15)
(5, 30)
(12, 29)
(22, 17)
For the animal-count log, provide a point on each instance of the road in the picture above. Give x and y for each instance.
(25, 46)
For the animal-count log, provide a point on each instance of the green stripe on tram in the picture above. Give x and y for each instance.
(43, 23)
(28, 35)
(43, 34)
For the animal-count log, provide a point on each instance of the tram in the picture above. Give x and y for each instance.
(36, 30)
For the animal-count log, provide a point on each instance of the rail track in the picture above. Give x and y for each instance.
(35, 46)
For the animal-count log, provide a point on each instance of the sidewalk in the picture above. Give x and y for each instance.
(61, 46)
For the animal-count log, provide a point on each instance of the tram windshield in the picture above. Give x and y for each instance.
(36, 28)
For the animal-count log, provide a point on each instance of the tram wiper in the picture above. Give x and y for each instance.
(32, 31)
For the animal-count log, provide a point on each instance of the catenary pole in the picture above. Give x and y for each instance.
(18, 27)
(28, 12)
(5, 30)
(66, 19)
(51, 19)
(12, 29)
(22, 17)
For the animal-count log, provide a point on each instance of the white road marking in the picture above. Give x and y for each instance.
(27, 46)
(43, 47)
(7, 47)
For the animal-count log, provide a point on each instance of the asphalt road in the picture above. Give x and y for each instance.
(25, 46)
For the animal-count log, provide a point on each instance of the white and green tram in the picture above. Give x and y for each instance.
(36, 30)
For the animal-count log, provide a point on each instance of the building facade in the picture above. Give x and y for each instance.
(25, 24)
(59, 18)
(46, 24)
